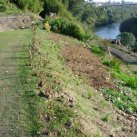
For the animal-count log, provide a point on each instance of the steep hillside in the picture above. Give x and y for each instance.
(72, 82)
(55, 85)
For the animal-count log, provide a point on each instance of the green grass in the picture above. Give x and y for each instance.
(96, 50)
(114, 63)
(129, 80)
(30, 100)
(125, 99)
(106, 117)
(24, 85)
(89, 94)
(55, 77)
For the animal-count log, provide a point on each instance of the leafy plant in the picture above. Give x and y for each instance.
(31, 5)
(127, 39)
(90, 94)
(124, 101)
(95, 49)
(114, 63)
(106, 118)
(66, 27)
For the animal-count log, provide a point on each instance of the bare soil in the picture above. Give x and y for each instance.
(82, 62)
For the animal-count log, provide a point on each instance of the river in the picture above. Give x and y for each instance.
(109, 31)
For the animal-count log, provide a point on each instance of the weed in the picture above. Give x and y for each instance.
(106, 117)
(97, 134)
(127, 80)
(95, 49)
(114, 63)
(124, 101)
(90, 94)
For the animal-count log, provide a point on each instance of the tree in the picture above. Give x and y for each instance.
(31, 5)
(127, 39)
(129, 25)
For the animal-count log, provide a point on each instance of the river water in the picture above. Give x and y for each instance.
(109, 31)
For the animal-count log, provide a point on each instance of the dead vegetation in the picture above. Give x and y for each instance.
(82, 62)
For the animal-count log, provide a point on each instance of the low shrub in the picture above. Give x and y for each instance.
(95, 49)
(124, 101)
(66, 27)
(114, 63)
(106, 118)
(39, 24)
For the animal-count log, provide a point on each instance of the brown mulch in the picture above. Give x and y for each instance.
(82, 62)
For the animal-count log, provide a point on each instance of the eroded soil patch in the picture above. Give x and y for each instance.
(82, 62)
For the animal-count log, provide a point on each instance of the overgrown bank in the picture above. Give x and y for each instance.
(63, 85)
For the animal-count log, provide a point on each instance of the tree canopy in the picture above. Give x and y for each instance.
(127, 39)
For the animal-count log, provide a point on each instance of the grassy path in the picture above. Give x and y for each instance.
(15, 120)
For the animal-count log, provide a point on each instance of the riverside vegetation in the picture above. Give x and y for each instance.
(67, 85)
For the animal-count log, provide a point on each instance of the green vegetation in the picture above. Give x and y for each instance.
(8, 8)
(54, 77)
(129, 25)
(118, 14)
(125, 101)
(125, 98)
(95, 49)
(29, 5)
(106, 117)
(66, 27)
(114, 63)
(128, 40)
(56, 6)
(20, 98)
(59, 104)
(90, 94)
(129, 81)
(89, 15)
(93, 16)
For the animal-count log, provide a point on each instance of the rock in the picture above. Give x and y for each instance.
(47, 118)
(71, 105)
(40, 84)
(68, 125)
(48, 95)
(71, 100)
(66, 98)
(131, 118)
(44, 133)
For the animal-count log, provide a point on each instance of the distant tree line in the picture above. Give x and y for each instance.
(128, 34)
(88, 14)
